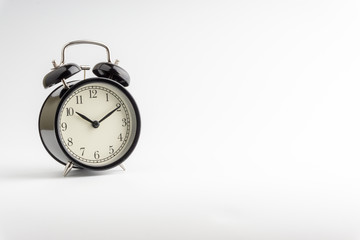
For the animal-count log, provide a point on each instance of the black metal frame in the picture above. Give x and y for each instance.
(65, 95)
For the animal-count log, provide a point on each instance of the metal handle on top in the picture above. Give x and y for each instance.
(81, 42)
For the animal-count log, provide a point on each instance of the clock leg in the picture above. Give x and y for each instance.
(68, 168)
(122, 166)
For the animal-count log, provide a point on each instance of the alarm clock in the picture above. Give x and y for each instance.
(93, 123)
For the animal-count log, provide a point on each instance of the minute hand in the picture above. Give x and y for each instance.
(107, 115)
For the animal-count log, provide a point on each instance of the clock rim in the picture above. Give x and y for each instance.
(137, 116)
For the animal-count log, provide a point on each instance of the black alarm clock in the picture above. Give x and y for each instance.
(92, 123)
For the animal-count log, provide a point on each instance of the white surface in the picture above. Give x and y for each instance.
(250, 113)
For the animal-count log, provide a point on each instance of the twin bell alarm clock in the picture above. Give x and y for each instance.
(92, 123)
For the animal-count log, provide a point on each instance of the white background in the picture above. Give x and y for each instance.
(250, 120)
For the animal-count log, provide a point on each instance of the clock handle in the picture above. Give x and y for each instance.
(81, 42)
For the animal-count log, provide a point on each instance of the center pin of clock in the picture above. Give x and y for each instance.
(95, 124)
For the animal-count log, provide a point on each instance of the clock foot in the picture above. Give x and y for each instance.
(68, 168)
(122, 167)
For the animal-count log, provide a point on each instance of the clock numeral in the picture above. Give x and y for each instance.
(93, 93)
(120, 137)
(69, 111)
(96, 155)
(63, 126)
(124, 122)
(70, 142)
(83, 150)
(111, 150)
(118, 105)
(79, 99)
(107, 97)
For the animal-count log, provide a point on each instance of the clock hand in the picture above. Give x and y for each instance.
(107, 115)
(95, 124)
(84, 117)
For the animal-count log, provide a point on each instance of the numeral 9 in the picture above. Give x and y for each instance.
(63, 126)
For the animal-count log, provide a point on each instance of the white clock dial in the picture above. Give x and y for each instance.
(96, 124)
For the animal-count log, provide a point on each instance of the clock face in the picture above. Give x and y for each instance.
(97, 123)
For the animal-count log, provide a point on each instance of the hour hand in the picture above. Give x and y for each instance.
(84, 117)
